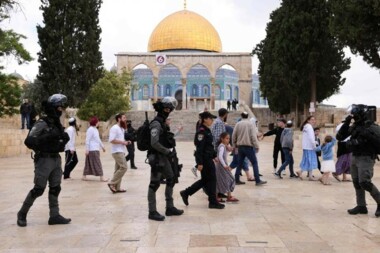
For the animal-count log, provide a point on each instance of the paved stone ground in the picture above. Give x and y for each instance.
(286, 215)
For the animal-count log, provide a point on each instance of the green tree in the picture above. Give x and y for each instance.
(10, 93)
(70, 60)
(356, 24)
(10, 45)
(298, 55)
(107, 97)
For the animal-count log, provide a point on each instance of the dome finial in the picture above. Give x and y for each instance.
(184, 4)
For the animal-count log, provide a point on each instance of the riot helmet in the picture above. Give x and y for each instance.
(166, 103)
(52, 105)
(358, 112)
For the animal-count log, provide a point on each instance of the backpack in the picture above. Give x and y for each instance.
(143, 135)
(374, 129)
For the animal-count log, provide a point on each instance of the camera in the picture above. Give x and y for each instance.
(362, 112)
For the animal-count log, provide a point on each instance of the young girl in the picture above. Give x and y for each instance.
(225, 181)
(327, 165)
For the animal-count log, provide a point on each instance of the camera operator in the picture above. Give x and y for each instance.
(364, 143)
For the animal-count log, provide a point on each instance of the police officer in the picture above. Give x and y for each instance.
(158, 156)
(47, 138)
(363, 145)
(204, 156)
(130, 135)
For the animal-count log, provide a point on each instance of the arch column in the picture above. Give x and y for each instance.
(184, 102)
(212, 93)
(155, 83)
(245, 89)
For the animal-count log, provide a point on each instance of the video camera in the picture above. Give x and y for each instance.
(362, 112)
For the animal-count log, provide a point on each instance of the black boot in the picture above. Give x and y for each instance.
(21, 219)
(58, 220)
(185, 197)
(377, 213)
(358, 210)
(156, 216)
(173, 211)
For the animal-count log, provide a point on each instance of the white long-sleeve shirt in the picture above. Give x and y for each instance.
(308, 137)
(93, 141)
(72, 133)
(117, 133)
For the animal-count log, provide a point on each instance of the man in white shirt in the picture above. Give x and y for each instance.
(116, 138)
(71, 158)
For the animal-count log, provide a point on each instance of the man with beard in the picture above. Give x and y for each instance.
(159, 156)
(47, 138)
(116, 138)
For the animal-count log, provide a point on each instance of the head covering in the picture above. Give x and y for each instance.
(207, 115)
(93, 121)
(71, 120)
(244, 115)
(289, 123)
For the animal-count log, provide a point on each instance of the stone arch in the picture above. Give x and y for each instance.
(142, 75)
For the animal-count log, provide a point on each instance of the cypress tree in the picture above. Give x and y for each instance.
(300, 61)
(70, 60)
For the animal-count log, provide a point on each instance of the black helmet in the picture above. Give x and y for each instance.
(169, 102)
(358, 111)
(57, 100)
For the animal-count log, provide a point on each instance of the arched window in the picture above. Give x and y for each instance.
(145, 92)
(236, 93)
(168, 90)
(135, 94)
(217, 92)
(205, 90)
(194, 90)
(257, 97)
(228, 92)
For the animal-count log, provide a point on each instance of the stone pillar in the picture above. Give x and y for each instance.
(155, 83)
(212, 93)
(245, 92)
(184, 104)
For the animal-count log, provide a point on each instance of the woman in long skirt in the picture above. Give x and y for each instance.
(93, 165)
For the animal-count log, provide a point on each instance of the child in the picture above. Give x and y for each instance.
(225, 181)
(287, 147)
(327, 158)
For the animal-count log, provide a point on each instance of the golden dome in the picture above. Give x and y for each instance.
(185, 30)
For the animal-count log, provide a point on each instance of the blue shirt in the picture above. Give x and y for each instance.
(327, 150)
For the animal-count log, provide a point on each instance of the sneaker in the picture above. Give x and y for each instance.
(21, 219)
(278, 175)
(261, 183)
(156, 216)
(58, 219)
(358, 210)
(173, 211)
(194, 170)
(185, 197)
(215, 206)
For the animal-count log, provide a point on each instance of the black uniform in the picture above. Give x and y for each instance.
(277, 145)
(362, 143)
(130, 135)
(204, 155)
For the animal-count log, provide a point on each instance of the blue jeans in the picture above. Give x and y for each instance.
(288, 161)
(25, 118)
(250, 153)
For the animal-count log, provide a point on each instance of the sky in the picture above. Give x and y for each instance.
(126, 27)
